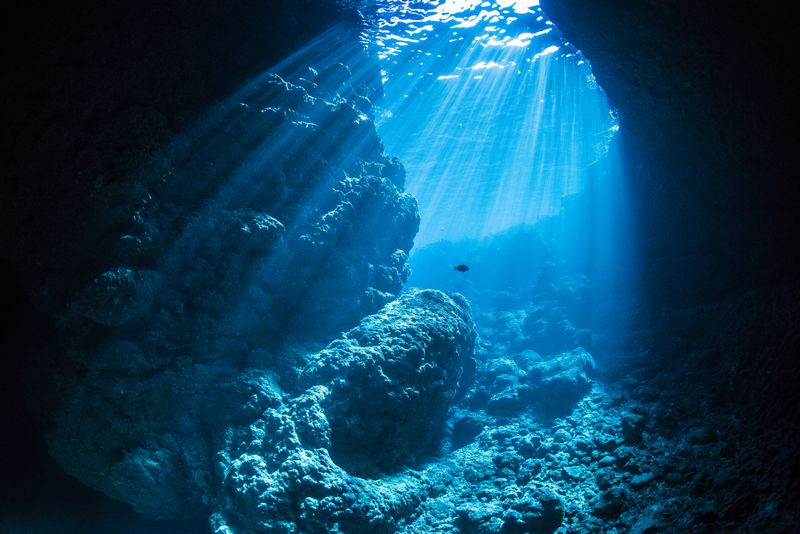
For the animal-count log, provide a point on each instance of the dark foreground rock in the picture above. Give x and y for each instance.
(277, 220)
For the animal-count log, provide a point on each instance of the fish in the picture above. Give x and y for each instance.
(461, 268)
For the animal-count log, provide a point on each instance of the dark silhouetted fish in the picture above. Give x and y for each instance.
(461, 268)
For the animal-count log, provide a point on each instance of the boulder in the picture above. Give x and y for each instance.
(373, 399)
(393, 378)
(561, 381)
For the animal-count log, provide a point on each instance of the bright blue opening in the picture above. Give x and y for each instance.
(510, 145)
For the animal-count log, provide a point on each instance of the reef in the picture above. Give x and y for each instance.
(214, 282)
(373, 400)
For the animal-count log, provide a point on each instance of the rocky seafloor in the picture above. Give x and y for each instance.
(562, 443)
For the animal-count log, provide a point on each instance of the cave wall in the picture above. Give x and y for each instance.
(706, 102)
(97, 89)
(708, 120)
(104, 215)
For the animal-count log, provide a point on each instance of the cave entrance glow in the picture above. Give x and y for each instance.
(501, 127)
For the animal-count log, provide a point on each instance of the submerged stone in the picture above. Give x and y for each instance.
(119, 297)
(561, 381)
(374, 398)
(394, 377)
(540, 511)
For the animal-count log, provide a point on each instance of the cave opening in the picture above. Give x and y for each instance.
(514, 155)
(495, 117)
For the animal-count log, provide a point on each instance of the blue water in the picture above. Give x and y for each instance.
(501, 126)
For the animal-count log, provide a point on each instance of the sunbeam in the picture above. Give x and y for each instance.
(496, 118)
(298, 140)
(500, 124)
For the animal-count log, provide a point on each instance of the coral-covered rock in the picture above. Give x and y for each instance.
(272, 483)
(540, 510)
(275, 218)
(376, 395)
(393, 377)
(551, 384)
(119, 297)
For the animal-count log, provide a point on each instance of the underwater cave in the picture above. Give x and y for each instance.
(399, 266)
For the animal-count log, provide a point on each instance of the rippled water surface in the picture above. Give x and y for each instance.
(496, 118)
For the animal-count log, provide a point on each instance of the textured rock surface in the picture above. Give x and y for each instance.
(378, 394)
(510, 385)
(709, 122)
(278, 218)
(393, 378)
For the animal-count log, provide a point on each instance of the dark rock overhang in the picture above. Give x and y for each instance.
(705, 94)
